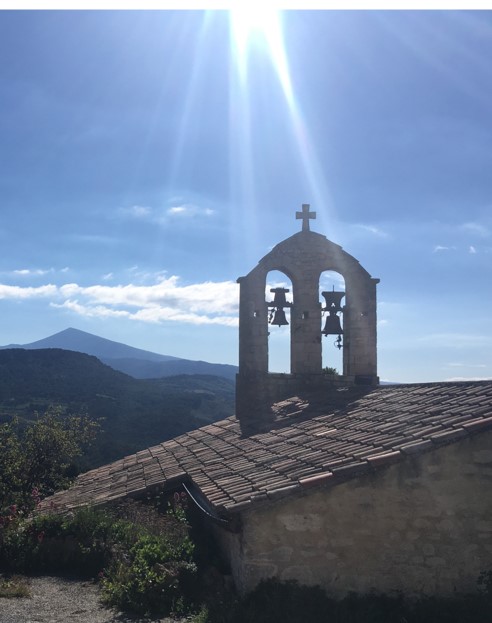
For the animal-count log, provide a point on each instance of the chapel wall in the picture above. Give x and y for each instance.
(423, 526)
(302, 258)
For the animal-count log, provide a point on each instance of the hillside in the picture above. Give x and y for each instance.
(136, 413)
(140, 364)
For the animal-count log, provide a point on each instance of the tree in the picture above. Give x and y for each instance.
(329, 370)
(38, 458)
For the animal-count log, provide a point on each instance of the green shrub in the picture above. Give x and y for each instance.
(80, 544)
(143, 558)
(36, 458)
(150, 578)
(154, 572)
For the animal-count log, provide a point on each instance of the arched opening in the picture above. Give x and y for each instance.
(278, 296)
(332, 303)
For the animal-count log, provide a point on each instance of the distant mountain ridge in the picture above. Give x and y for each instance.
(140, 364)
(83, 342)
(135, 413)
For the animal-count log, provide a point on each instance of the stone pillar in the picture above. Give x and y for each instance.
(253, 324)
(360, 330)
(306, 323)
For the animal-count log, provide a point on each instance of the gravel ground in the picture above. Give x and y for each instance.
(61, 600)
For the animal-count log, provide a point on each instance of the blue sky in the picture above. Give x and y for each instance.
(149, 158)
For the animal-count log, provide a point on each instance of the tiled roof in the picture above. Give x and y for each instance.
(314, 440)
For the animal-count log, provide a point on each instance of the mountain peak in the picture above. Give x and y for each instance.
(133, 361)
(100, 347)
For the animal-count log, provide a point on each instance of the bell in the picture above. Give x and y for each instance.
(279, 318)
(332, 325)
(279, 299)
(333, 300)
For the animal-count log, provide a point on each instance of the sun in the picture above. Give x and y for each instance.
(256, 25)
(250, 22)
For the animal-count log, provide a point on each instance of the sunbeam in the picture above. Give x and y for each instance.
(191, 98)
(254, 28)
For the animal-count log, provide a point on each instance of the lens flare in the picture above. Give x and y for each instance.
(257, 29)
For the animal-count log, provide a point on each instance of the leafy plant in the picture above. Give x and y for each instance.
(37, 458)
(79, 544)
(150, 577)
(145, 563)
(330, 370)
(156, 572)
(14, 586)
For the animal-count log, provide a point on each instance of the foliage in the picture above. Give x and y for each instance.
(143, 559)
(154, 572)
(330, 370)
(80, 543)
(14, 586)
(37, 459)
(150, 577)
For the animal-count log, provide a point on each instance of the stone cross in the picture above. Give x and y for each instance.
(305, 215)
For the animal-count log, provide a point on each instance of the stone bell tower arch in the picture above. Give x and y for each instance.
(303, 257)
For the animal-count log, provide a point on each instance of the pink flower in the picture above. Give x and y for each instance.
(40, 537)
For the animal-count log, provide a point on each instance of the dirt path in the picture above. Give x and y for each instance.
(60, 600)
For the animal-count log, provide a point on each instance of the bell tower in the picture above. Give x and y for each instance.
(303, 258)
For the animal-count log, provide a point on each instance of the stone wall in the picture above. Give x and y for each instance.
(423, 526)
(303, 258)
(257, 393)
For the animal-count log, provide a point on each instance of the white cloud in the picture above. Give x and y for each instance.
(329, 279)
(137, 211)
(189, 209)
(107, 277)
(27, 272)
(96, 311)
(476, 228)
(373, 230)
(439, 248)
(164, 300)
(152, 315)
(177, 210)
(23, 293)
(141, 211)
(161, 216)
(472, 250)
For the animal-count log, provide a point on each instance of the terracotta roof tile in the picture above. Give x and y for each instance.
(314, 441)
